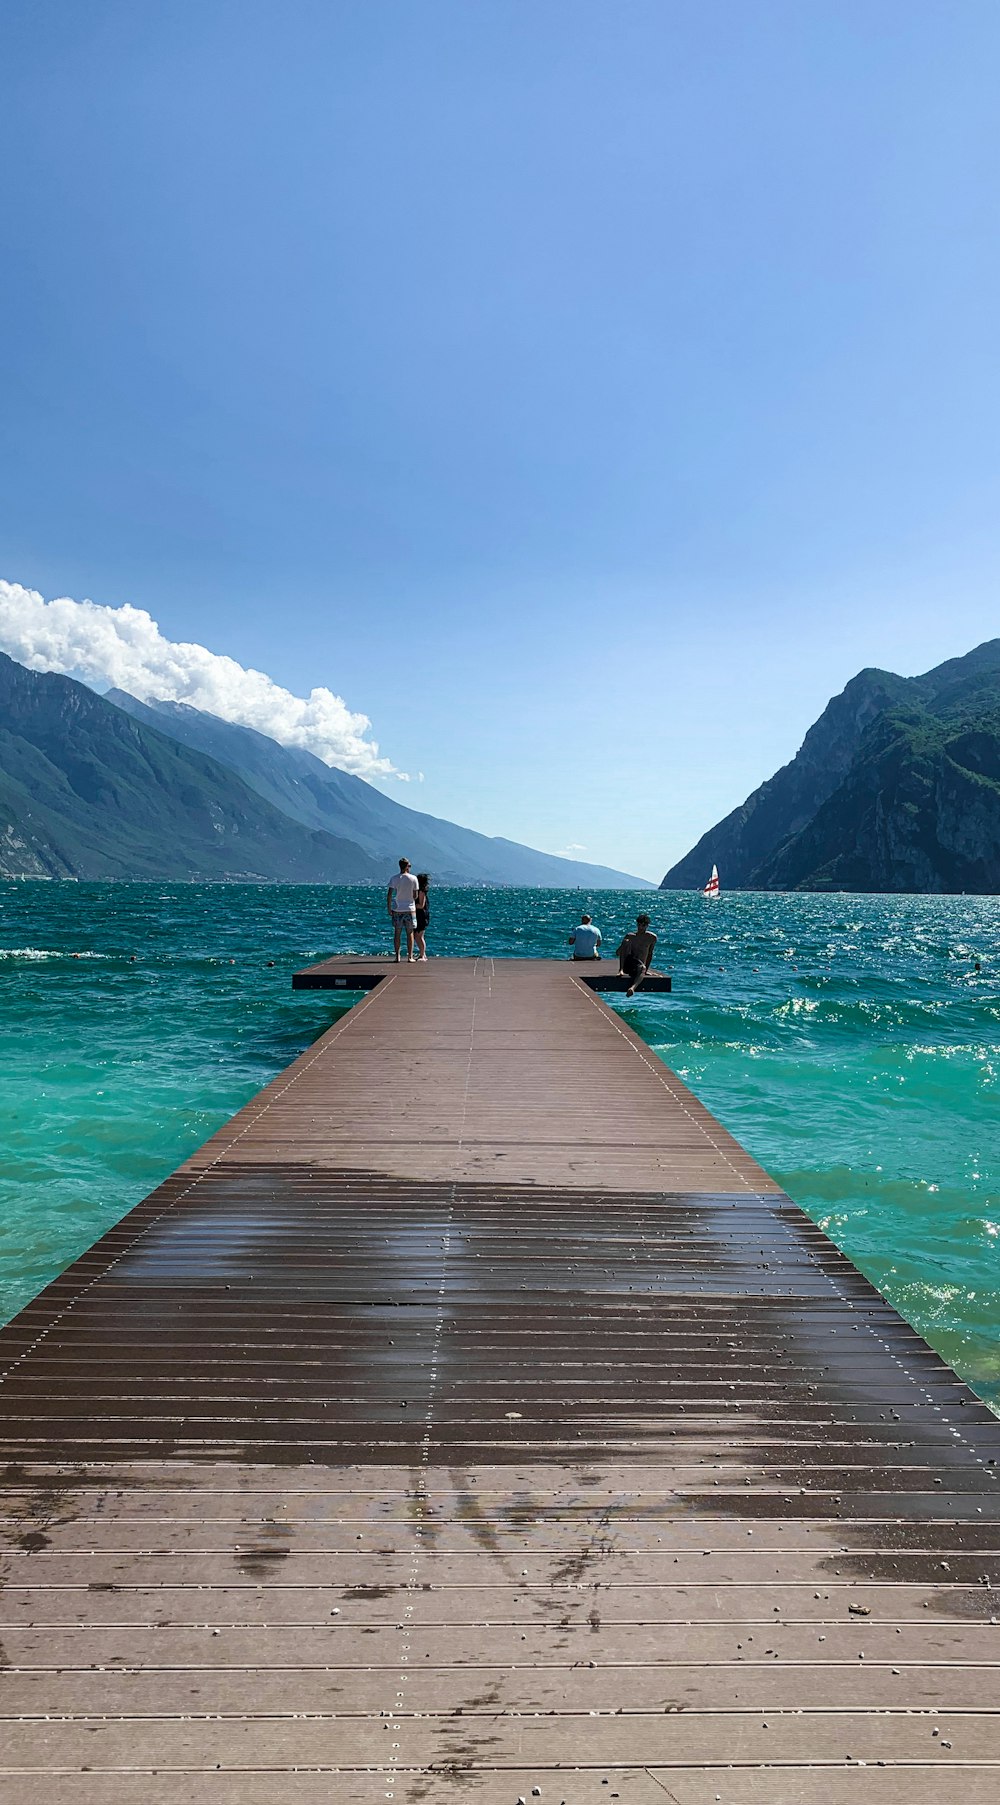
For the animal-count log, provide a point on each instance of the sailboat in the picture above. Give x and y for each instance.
(712, 887)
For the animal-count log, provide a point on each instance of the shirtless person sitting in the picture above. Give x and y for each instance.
(635, 955)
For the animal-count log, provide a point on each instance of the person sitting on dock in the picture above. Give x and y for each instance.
(635, 955)
(400, 900)
(586, 940)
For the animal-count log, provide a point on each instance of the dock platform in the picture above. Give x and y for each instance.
(365, 974)
(471, 1418)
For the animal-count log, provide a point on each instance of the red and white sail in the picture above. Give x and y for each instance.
(712, 887)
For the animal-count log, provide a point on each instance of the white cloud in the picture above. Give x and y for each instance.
(123, 648)
(569, 852)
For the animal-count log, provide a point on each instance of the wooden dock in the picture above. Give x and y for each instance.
(366, 974)
(471, 1418)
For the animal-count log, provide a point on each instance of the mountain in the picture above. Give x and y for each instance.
(88, 792)
(895, 788)
(318, 796)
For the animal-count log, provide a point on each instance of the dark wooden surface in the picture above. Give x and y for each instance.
(470, 1415)
(365, 974)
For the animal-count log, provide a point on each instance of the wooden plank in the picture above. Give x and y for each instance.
(824, 1784)
(473, 1410)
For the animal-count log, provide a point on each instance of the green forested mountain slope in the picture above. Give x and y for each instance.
(895, 788)
(87, 792)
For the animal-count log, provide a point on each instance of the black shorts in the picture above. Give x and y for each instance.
(632, 967)
(423, 920)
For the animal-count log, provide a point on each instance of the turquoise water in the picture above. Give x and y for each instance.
(848, 1042)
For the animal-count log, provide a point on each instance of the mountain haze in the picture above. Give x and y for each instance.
(895, 788)
(99, 787)
(319, 796)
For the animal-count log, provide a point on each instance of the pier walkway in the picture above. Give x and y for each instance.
(472, 1419)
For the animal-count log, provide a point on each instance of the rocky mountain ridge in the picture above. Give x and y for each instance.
(895, 788)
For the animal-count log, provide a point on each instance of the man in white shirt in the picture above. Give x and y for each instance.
(586, 940)
(401, 902)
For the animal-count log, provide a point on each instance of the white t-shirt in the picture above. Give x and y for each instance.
(586, 940)
(404, 889)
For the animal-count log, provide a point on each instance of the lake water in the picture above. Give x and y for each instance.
(848, 1042)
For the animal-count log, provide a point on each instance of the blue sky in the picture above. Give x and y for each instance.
(582, 391)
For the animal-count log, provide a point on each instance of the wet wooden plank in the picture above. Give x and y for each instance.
(467, 1740)
(362, 1690)
(764, 1785)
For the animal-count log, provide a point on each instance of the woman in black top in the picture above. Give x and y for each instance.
(423, 909)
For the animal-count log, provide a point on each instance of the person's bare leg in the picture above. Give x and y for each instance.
(634, 986)
(409, 943)
(397, 928)
(421, 944)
